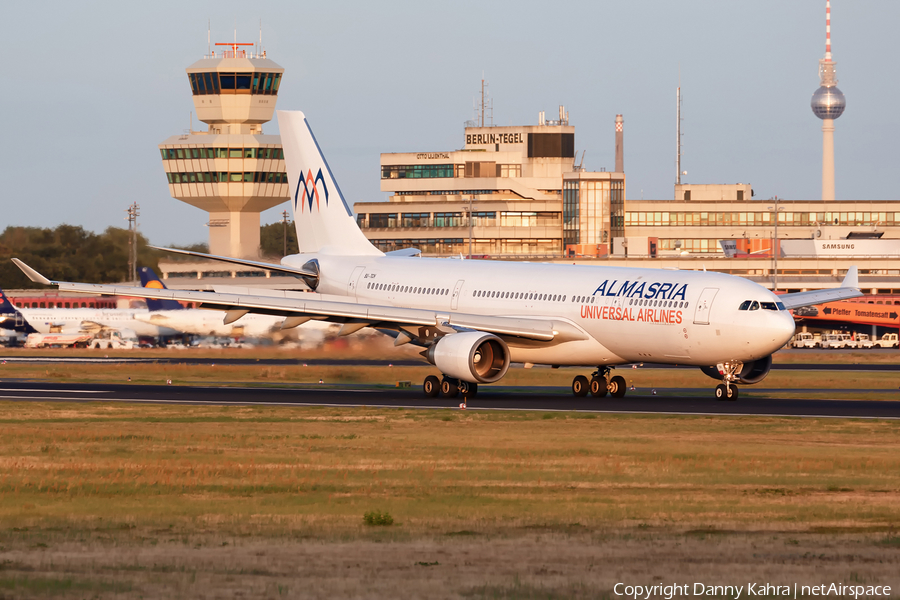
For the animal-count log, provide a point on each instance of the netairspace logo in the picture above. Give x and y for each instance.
(670, 591)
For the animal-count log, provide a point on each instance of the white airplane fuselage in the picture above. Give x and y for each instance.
(74, 320)
(200, 321)
(628, 314)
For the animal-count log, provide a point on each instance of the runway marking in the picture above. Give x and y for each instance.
(58, 398)
(75, 359)
(57, 391)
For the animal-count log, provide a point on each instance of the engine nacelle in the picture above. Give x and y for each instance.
(752, 372)
(471, 356)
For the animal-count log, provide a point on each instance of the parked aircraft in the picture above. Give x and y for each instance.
(201, 321)
(475, 317)
(75, 320)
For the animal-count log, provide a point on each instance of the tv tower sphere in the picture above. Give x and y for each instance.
(828, 102)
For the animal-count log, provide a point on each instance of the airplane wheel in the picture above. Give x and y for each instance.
(721, 392)
(580, 386)
(734, 393)
(449, 388)
(617, 386)
(468, 390)
(598, 387)
(432, 386)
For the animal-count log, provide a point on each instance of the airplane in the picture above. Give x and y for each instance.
(473, 317)
(75, 320)
(201, 321)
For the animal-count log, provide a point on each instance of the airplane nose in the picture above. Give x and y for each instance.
(784, 327)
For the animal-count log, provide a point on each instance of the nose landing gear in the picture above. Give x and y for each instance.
(600, 384)
(729, 371)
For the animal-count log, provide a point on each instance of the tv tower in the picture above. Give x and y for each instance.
(828, 104)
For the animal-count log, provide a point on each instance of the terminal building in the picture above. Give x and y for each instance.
(509, 192)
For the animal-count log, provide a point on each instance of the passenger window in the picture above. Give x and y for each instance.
(745, 305)
(754, 306)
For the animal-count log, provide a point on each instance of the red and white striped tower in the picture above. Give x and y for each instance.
(828, 104)
(620, 144)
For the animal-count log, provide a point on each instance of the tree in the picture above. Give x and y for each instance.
(69, 253)
(271, 239)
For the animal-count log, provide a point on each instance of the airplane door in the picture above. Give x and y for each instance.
(704, 304)
(354, 280)
(454, 299)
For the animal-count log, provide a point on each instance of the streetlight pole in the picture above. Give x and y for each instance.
(775, 210)
(284, 220)
(132, 239)
(470, 226)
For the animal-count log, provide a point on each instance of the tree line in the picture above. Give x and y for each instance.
(71, 253)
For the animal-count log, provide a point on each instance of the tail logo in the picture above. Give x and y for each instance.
(310, 190)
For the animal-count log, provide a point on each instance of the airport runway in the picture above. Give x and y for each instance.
(698, 402)
(270, 362)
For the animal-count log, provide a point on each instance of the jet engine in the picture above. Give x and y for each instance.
(751, 372)
(471, 356)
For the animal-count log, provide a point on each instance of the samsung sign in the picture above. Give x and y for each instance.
(495, 138)
(841, 248)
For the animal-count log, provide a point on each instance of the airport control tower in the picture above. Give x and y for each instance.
(233, 171)
(828, 104)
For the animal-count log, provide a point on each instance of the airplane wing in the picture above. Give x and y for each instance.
(239, 301)
(849, 288)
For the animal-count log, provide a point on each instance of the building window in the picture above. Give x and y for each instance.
(449, 219)
(551, 145)
(416, 171)
(382, 220)
(415, 220)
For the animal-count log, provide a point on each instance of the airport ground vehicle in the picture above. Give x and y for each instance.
(58, 340)
(104, 339)
(888, 340)
(804, 339)
(111, 339)
(835, 340)
(864, 341)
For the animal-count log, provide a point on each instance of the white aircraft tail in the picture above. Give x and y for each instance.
(323, 220)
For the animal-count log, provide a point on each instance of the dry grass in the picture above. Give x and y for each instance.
(129, 501)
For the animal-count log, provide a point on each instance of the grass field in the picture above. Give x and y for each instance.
(123, 501)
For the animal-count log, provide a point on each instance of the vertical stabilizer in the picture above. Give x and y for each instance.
(322, 217)
(150, 280)
(11, 318)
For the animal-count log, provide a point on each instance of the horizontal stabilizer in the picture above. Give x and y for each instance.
(296, 271)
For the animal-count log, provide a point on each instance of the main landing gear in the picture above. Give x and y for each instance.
(600, 384)
(448, 387)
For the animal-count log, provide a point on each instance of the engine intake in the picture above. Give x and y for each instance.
(471, 356)
(751, 372)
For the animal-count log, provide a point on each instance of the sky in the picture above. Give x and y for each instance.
(98, 85)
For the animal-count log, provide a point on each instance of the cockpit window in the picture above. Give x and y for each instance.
(745, 305)
(780, 305)
(769, 306)
(754, 306)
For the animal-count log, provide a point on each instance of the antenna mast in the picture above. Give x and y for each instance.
(678, 135)
(486, 106)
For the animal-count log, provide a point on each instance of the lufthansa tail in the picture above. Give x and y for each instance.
(150, 280)
(11, 318)
(322, 217)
